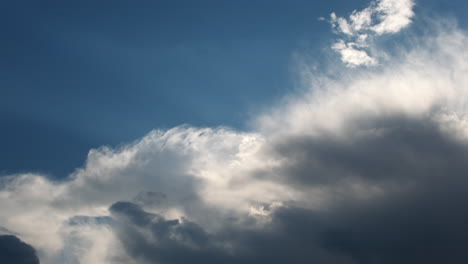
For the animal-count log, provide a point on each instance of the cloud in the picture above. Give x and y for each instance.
(364, 167)
(13, 250)
(380, 17)
(352, 55)
(394, 15)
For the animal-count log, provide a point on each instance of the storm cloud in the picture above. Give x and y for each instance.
(13, 250)
(365, 166)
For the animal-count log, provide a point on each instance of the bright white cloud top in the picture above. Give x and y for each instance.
(381, 17)
(375, 142)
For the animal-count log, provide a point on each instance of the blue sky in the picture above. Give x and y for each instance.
(84, 74)
(78, 75)
(162, 131)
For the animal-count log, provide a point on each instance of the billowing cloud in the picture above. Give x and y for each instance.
(380, 17)
(367, 167)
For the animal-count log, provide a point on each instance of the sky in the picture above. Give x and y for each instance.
(233, 131)
(79, 75)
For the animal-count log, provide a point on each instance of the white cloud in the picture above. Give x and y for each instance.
(381, 17)
(351, 55)
(194, 167)
(429, 76)
(393, 15)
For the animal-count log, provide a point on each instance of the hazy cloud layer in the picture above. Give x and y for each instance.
(369, 167)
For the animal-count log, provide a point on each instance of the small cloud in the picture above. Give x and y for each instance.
(393, 16)
(380, 17)
(351, 55)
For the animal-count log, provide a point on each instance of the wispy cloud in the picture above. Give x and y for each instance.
(381, 17)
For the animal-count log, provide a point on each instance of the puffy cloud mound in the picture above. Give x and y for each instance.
(367, 167)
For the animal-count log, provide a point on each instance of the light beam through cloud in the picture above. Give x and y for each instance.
(369, 167)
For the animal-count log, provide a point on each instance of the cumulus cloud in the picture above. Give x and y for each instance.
(380, 17)
(365, 168)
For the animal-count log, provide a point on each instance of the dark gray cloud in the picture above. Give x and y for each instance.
(385, 150)
(151, 199)
(170, 241)
(420, 215)
(15, 251)
(421, 171)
